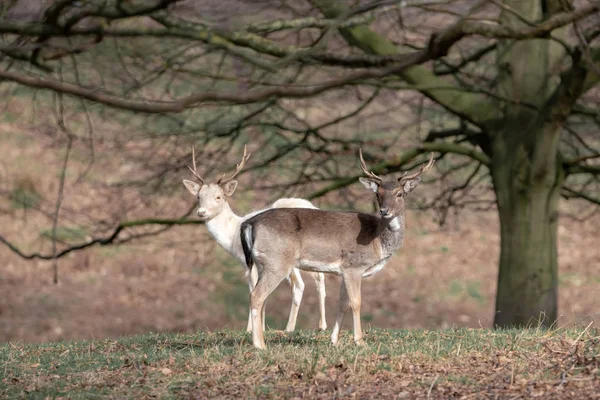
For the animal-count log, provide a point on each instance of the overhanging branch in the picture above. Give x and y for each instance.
(102, 241)
(231, 97)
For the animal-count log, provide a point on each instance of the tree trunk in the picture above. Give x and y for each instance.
(527, 185)
(527, 176)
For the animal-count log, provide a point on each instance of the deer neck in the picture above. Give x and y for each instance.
(225, 228)
(391, 234)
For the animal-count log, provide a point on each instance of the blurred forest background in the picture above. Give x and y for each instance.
(103, 99)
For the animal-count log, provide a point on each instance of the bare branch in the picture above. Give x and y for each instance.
(572, 193)
(102, 241)
(476, 56)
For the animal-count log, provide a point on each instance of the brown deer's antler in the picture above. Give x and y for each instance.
(194, 171)
(238, 168)
(363, 165)
(423, 168)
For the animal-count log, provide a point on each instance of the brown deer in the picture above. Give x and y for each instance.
(224, 226)
(350, 244)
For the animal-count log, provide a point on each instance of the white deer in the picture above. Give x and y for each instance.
(351, 244)
(224, 226)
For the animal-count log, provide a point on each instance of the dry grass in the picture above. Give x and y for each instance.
(461, 363)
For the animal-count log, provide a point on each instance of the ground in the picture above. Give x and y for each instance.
(411, 364)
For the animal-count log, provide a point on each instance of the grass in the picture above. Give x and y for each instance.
(478, 363)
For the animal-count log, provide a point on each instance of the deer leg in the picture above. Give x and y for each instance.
(269, 280)
(353, 287)
(297, 291)
(344, 305)
(319, 278)
(252, 279)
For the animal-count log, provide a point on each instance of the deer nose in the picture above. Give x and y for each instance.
(201, 212)
(383, 212)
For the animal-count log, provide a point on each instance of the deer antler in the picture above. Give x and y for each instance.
(423, 168)
(194, 171)
(238, 168)
(363, 165)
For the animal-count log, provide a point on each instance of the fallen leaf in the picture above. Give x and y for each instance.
(210, 383)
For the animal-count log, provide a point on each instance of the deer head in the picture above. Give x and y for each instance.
(212, 197)
(390, 194)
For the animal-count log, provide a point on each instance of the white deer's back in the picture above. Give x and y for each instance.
(225, 228)
(292, 202)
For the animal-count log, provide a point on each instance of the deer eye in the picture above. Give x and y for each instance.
(400, 194)
(218, 197)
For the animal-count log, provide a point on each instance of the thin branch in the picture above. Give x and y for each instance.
(462, 131)
(510, 10)
(476, 56)
(58, 204)
(580, 159)
(572, 193)
(314, 22)
(61, 185)
(586, 49)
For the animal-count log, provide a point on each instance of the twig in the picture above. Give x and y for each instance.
(584, 331)
(586, 48)
(60, 116)
(58, 204)
(431, 387)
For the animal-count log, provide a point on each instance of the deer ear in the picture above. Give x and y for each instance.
(411, 184)
(370, 184)
(193, 187)
(229, 187)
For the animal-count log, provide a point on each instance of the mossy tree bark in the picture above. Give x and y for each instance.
(527, 194)
(527, 175)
